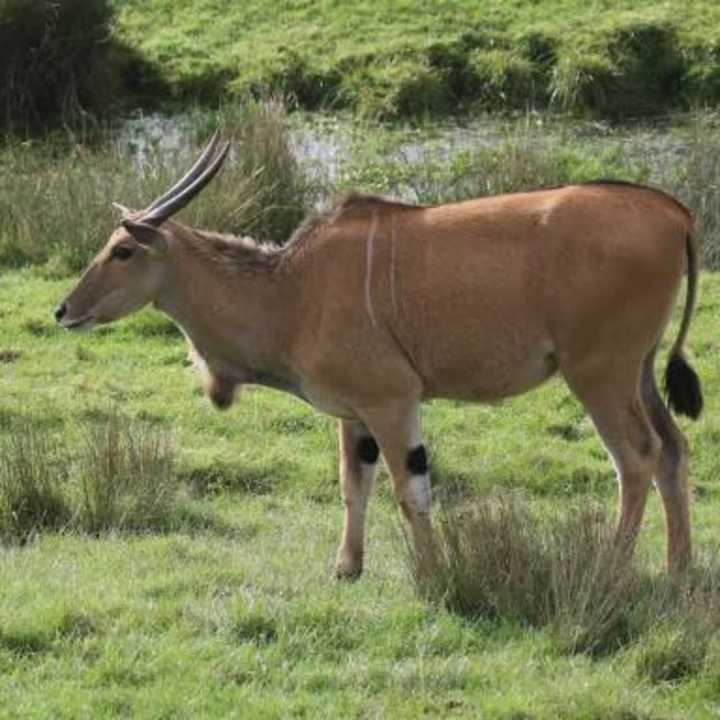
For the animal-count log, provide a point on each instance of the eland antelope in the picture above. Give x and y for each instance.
(377, 305)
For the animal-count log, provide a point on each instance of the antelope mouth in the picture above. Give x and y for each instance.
(83, 324)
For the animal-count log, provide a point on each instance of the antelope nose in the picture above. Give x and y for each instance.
(60, 311)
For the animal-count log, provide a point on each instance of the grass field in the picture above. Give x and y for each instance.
(228, 608)
(401, 59)
(205, 589)
(69, 62)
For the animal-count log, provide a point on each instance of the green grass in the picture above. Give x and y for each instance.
(222, 602)
(400, 59)
(68, 62)
(230, 608)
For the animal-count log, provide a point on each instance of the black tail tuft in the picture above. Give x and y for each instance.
(682, 387)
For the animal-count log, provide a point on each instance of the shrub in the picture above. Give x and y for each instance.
(280, 192)
(501, 78)
(581, 81)
(649, 66)
(498, 559)
(592, 583)
(55, 60)
(490, 565)
(300, 82)
(401, 88)
(701, 84)
(633, 68)
(262, 190)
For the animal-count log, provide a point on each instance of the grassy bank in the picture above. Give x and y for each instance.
(227, 603)
(394, 60)
(68, 61)
(55, 195)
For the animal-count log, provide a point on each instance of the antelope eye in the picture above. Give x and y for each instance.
(120, 252)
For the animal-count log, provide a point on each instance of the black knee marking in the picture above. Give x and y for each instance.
(368, 450)
(417, 463)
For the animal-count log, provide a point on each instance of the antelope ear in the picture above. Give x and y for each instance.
(145, 234)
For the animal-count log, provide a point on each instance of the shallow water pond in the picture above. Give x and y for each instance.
(327, 142)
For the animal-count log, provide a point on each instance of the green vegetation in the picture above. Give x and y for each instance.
(499, 558)
(56, 62)
(161, 559)
(228, 602)
(399, 59)
(120, 476)
(55, 195)
(61, 59)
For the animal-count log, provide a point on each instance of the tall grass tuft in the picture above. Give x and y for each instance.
(55, 203)
(264, 192)
(127, 477)
(591, 582)
(696, 180)
(121, 476)
(498, 559)
(33, 484)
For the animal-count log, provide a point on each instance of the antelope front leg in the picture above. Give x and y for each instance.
(358, 461)
(397, 430)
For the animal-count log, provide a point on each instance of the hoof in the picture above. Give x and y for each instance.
(348, 570)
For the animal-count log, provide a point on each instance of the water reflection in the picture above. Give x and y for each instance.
(325, 143)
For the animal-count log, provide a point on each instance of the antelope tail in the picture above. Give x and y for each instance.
(682, 384)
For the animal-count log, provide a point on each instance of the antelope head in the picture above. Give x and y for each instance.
(129, 271)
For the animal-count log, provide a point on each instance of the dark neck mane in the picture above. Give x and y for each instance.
(350, 204)
(229, 253)
(234, 254)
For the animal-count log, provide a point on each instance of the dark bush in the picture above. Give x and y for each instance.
(649, 65)
(56, 60)
(403, 87)
(302, 83)
(632, 69)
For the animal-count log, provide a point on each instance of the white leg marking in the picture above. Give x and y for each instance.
(420, 488)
